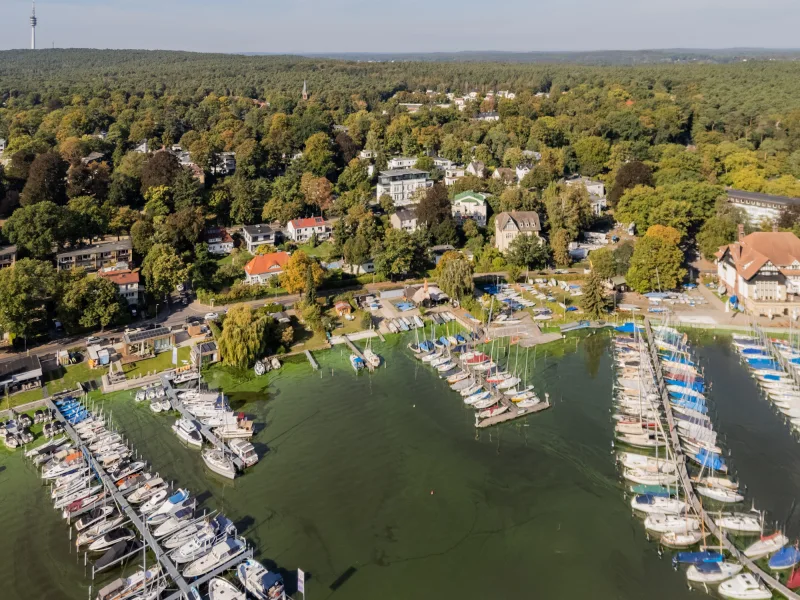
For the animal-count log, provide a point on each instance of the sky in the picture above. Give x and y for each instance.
(318, 26)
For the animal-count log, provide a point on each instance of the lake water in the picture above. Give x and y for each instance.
(378, 486)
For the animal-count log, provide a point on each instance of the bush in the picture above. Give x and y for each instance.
(366, 320)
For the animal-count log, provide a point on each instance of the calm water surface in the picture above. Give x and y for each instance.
(379, 486)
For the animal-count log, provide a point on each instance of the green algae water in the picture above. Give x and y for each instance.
(379, 486)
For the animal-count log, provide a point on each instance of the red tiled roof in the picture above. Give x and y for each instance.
(121, 277)
(274, 262)
(221, 233)
(308, 222)
(781, 248)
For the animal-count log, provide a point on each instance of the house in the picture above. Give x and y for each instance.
(453, 174)
(402, 162)
(507, 176)
(617, 284)
(301, 230)
(8, 256)
(143, 147)
(442, 163)
(223, 163)
(488, 116)
(343, 308)
(401, 184)
(219, 240)
(411, 107)
(760, 207)
(476, 168)
(508, 225)
(92, 157)
(405, 219)
(424, 295)
(127, 280)
(204, 353)
(265, 266)
(470, 205)
(21, 373)
(363, 269)
(2, 146)
(761, 272)
(147, 342)
(521, 171)
(437, 252)
(95, 256)
(258, 235)
(367, 154)
(594, 187)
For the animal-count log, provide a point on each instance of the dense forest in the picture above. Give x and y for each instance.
(666, 140)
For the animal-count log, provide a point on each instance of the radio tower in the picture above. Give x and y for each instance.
(33, 26)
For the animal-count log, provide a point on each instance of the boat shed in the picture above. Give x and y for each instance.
(148, 342)
(21, 373)
(205, 353)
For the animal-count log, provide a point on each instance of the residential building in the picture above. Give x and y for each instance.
(128, 282)
(411, 107)
(437, 252)
(367, 154)
(404, 218)
(476, 168)
(442, 163)
(219, 240)
(301, 230)
(400, 184)
(760, 207)
(223, 163)
(258, 235)
(521, 171)
(489, 116)
(147, 342)
(594, 187)
(506, 175)
(453, 174)
(21, 373)
(470, 205)
(92, 157)
(263, 267)
(353, 269)
(508, 225)
(8, 256)
(761, 272)
(95, 256)
(401, 162)
(204, 353)
(2, 146)
(143, 147)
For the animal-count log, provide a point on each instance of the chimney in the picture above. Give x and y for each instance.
(741, 232)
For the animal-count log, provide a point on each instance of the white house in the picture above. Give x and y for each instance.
(402, 162)
(301, 230)
(143, 147)
(476, 168)
(400, 184)
(508, 225)
(470, 205)
(127, 281)
(521, 171)
(594, 187)
(263, 267)
(219, 240)
(442, 163)
(367, 154)
(453, 174)
(762, 270)
(258, 235)
(224, 163)
(489, 116)
(405, 219)
(760, 207)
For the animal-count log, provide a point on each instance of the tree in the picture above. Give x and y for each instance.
(629, 175)
(560, 243)
(716, 232)
(122, 220)
(89, 302)
(655, 265)
(454, 274)
(142, 232)
(91, 179)
(317, 191)
(37, 228)
(163, 270)
(185, 190)
(244, 337)
(603, 262)
(354, 175)
(356, 250)
(87, 220)
(397, 256)
(204, 267)
(25, 290)
(528, 252)
(434, 208)
(668, 234)
(161, 169)
(568, 208)
(318, 155)
(592, 153)
(46, 180)
(622, 256)
(593, 300)
(310, 289)
(295, 276)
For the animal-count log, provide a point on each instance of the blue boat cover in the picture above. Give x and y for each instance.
(628, 327)
(708, 567)
(710, 459)
(696, 558)
(785, 558)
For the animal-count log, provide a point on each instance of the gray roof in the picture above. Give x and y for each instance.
(406, 214)
(147, 334)
(397, 172)
(257, 229)
(756, 197)
(17, 366)
(206, 347)
(7, 250)
(101, 247)
(525, 220)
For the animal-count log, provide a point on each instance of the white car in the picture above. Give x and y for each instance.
(212, 316)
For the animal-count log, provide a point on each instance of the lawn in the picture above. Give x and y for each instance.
(160, 362)
(309, 341)
(321, 251)
(68, 378)
(22, 398)
(346, 326)
(225, 260)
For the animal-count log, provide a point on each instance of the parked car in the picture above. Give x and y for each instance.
(212, 316)
(95, 340)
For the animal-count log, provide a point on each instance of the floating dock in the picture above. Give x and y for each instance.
(312, 360)
(204, 429)
(691, 496)
(514, 412)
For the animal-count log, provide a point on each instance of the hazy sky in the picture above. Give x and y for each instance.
(295, 26)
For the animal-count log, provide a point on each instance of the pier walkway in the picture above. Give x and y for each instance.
(354, 349)
(686, 483)
(205, 430)
(312, 360)
(124, 506)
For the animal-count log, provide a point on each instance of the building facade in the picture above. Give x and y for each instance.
(301, 230)
(128, 283)
(760, 207)
(263, 267)
(453, 174)
(761, 272)
(405, 219)
(509, 225)
(400, 184)
(8, 256)
(219, 240)
(258, 235)
(95, 256)
(470, 205)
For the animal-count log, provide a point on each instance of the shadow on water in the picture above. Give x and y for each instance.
(245, 523)
(342, 579)
(261, 449)
(203, 497)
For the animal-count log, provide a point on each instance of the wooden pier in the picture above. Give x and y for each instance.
(354, 349)
(513, 412)
(691, 496)
(312, 360)
(205, 430)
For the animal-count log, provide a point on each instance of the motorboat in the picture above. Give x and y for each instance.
(660, 523)
(171, 503)
(744, 586)
(222, 552)
(203, 531)
(154, 500)
(158, 518)
(245, 451)
(234, 427)
(218, 462)
(785, 558)
(175, 521)
(222, 589)
(372, 359)
(93, 517)
(719, 494)
(673, 539)
(148, 490)
(124, 471)
(84, 504)
(98, 530)
(117, 551)
(712, 572)
(73, 496)
(739, 524)
(128, 586)
(188, 431)
(766, 546)
(259, 582)
(121, 534)
(356, 362)
(196, 547)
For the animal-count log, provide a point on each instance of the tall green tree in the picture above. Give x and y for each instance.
(38, 229)
(454, 275)
(163, 270)
(397, 256)
(528, 252)
(560, 243)
(604, 264)
(47, 180)
(89, 302)
(655, 265)
(244, 337)
(26, 290)
(593, 300)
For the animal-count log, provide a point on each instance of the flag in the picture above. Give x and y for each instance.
(301, 582)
